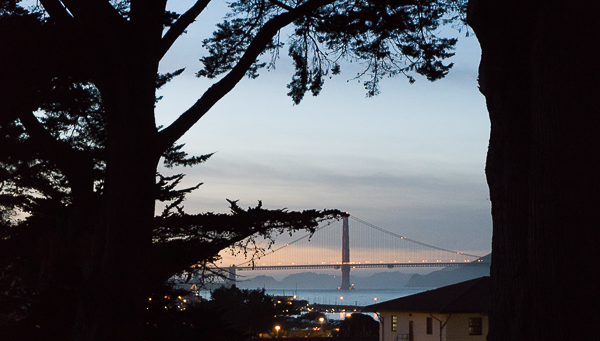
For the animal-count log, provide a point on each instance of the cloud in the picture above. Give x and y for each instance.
(446, 208)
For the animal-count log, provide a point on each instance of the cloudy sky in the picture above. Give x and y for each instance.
(410, 160)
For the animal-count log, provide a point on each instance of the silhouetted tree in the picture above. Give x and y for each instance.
(540, 78)
(79, 81)
(231, 314)
(249, 311)
(359, 325)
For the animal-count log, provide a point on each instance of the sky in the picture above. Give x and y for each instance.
(410, 160)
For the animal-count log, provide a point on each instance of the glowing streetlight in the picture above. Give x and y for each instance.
(277, 330)
(375, 299)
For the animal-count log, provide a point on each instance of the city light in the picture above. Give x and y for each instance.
(277, 331)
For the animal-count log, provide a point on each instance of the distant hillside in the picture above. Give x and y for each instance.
(311, 280)
(304, 280)
(382, 280)
(379, 280)
(261, 281)
(448, 276)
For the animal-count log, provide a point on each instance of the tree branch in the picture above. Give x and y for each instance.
(280, 4)
(169, 135)
(93, 11)
(69, 160)
(57, 10)
(182, 240)
(177, 29)
(177, 255)
(36, 130)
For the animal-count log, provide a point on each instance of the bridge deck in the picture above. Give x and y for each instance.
(356, 266)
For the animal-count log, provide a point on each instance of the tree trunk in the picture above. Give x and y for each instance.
(540, 78)
(110, 306)
(114, 296)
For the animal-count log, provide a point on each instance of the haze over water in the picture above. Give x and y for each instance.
(357, 297)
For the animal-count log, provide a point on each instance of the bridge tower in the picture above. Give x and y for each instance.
(345, 254)
(231, 276)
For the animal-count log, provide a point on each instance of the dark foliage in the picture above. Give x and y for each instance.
(389, 37)
(231, 314)
(359, 325)
(80, 148)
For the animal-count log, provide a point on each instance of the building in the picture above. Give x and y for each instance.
(452, 313)
(289, 305)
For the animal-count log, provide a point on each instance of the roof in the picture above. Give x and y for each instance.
(471, 296)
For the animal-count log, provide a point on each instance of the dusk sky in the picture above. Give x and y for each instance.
(410, 160)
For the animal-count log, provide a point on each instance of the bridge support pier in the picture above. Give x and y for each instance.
(231, 276)
(345, 254)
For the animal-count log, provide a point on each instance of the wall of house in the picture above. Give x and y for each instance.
(419, 322)
(456, 329)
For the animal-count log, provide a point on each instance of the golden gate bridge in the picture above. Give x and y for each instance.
(372, 247)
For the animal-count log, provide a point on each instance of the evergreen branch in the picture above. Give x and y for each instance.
(281, 4)
(69, 160)
(182, 240)
(57, 11)
(179, 27)
(97, 11)
(169, 135)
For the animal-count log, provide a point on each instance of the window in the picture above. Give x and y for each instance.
(429, 326)
(475, 326)
(394, 323)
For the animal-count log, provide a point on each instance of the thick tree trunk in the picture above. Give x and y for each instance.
(111, 305)
(540, 78)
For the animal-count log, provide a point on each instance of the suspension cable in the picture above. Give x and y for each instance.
(294, 241)
(409, 239)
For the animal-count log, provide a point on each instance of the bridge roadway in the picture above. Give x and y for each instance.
(362, 265)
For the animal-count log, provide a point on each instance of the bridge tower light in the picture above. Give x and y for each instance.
(231, 276)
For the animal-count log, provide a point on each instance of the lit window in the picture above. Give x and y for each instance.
(394, 323)
(475, 326)
(429, 326)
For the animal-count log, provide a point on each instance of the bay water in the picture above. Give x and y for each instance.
(356, 297)
(334, 297)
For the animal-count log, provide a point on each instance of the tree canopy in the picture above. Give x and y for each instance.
(79, 82)
(229, 314)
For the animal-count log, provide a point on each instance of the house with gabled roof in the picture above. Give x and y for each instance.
(457, 312)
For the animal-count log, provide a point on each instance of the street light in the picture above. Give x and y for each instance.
(277, 331)
(321, 319)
